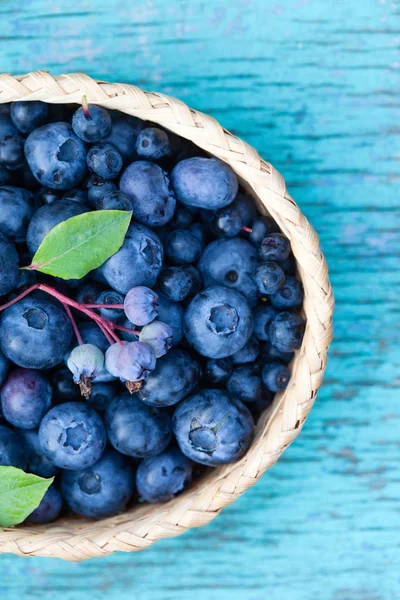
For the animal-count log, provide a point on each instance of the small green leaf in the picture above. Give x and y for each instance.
(20, 494)
(78, 245)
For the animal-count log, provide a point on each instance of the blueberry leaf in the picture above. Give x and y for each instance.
(20, 494)
(82, 243)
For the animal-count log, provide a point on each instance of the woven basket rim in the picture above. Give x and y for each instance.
(75, 539)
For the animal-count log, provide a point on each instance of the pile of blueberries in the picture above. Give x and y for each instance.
(204, 291)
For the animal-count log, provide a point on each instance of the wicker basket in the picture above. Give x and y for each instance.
(76, 539)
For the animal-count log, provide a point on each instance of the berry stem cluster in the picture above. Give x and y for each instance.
(107, 327)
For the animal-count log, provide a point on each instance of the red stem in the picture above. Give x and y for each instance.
(121, 306)
(120, 328)
(22, 295)
(105, 331)
(73, 323)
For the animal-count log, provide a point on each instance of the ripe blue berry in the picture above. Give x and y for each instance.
(172, 314)
(27, 116)
(110, 297)
(262, 317)
(47, 217)
(16, 210)
(182, 218)
(245, 383)
(290, 295)
(35, 334)
(260, 228)
(160, 478)
(218, 322)
(104, 160)
(140, 305)
(231, 262)
(101, 490)
(12, 452)
(136, 429)
(91, 124)
(275, 246)
(76, 195)
(148, 187)
(213, 429)
(37, 462)
(12, 152)
(137, 262)
(249, 352)
(25, 398)
(204, 182)
(218, 370)
(97, 188)
(49, 508)
(268, 353)
(286, 331)
(7, 127)
(9, 263)
(153, 143)
(175, 377)
(275, 376)
(269, 277)
(101, 396)
(175, 283)
(124, 132)
(72, 436)
(112, 200)
(182, 248)
(56, 156)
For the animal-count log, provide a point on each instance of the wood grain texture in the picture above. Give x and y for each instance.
(314, 86)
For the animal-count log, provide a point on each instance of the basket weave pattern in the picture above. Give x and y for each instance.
(76, 539)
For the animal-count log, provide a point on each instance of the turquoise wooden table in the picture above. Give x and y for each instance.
(314, 86)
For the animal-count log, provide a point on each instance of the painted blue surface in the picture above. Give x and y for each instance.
(314, 85)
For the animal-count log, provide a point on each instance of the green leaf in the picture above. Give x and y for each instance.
(20, 494)
(78, 245)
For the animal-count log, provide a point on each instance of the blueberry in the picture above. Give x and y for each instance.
(136, 429)
(247, 354)
(175, 377)
(172, 314)
(197, 280)
(182, 248)
(289, 265)
(290, 295)
(47, 217)
(92, 123)
(218, 370)
(275, 376)
(182, 218)
(263, 316)
(246, 207)
(87, 294)
(275, 246)
(124, 132)
(130, 361)
(46, 196)
(7, 127)
(12, 452)
(110, 297)
(175, 283)
(269, 352)
(85, 362)
(16, 209)
(140, 305)
(9, 263)
(125, 335)
(56, 156)
(231, 262)
(49, 508)
(6, 176)
(198, 230)
(286, 331)
(97, 188)
(38, 464)
(101, 396)
(12, 152)
(230, 220)
(218, 322)
(148, 187)
(160, 478)
(260, 227)
(204, 182)
(245, 383)
(76, 195)
(25, 398)
(262, 403)
(153, 143)
(137, 262)
(35, 334)
(213, 429)
(104, 160)
(92, 334)
(101, 490)
(269, 277)
(27, 116)
(72, 436)
(113, 200)
(4, 366)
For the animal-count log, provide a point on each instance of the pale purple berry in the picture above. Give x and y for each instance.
(140, 305)
(85, 363)
(158, 335)
(112, 354)
(135, 361)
